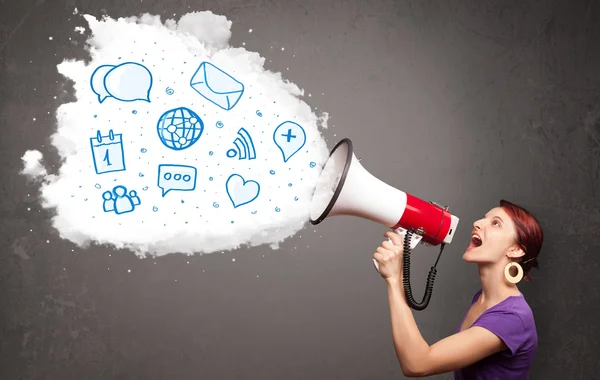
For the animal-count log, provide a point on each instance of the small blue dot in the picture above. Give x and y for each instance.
(313, 164)
(277, 209)
(272, 172)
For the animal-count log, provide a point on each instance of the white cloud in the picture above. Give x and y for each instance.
(201, 218)
(33, 165)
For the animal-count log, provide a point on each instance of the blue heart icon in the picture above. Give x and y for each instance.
(240, 191)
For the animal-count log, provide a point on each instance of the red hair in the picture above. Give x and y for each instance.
(530, 236)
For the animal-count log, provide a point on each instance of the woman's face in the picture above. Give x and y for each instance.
(495, 236)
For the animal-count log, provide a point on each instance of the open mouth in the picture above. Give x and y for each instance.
(475, 241)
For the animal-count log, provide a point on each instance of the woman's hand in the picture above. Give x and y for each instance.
(389, 257)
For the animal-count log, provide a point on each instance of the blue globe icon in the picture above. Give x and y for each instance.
(179, 128)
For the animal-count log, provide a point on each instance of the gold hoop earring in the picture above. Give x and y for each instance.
(513, 279)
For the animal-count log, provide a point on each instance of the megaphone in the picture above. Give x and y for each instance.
(345, 187)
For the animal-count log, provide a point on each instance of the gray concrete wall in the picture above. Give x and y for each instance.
(459, 102)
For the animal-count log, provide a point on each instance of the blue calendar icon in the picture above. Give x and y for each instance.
(107, 152)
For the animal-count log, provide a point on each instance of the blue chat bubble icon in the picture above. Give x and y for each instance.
(176, 177)
(289, 137)
(97, 82)
(126, 82)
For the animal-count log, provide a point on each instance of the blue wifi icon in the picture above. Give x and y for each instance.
(244, 147)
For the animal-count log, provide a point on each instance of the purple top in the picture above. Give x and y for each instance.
(512, 321)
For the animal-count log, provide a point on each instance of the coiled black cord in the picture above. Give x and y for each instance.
(406, 276)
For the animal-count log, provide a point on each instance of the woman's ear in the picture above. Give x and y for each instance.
(516, 251)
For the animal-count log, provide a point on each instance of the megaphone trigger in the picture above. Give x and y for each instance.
(376, 264)
(414, 238)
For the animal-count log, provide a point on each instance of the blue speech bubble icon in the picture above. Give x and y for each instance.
(97, 82)
(289, 137)
(176, 177)
(126, 82)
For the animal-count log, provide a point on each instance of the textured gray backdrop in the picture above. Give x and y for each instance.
(459, 102)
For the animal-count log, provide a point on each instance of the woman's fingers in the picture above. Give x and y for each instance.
(395, 238)
(387, 245)
(387, 251)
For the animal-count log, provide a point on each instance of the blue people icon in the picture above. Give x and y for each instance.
(123, 203)
(134, 198)
(120, 201)
(109, 202)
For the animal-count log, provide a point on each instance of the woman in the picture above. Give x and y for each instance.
(497, 338)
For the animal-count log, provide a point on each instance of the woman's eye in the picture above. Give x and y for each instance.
(496, 222)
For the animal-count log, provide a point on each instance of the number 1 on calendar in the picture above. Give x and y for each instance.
(107, 158)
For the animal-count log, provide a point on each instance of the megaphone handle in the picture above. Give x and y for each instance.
(402, 232)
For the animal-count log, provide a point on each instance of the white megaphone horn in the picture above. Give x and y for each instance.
(346, 188)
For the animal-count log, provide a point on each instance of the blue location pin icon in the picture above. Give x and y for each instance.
(289, 138)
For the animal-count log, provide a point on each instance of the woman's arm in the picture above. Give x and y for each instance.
(417, 358)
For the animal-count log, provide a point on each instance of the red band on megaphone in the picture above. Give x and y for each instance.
(434, 220)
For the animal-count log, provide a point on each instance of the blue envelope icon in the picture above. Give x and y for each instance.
(217, 86)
